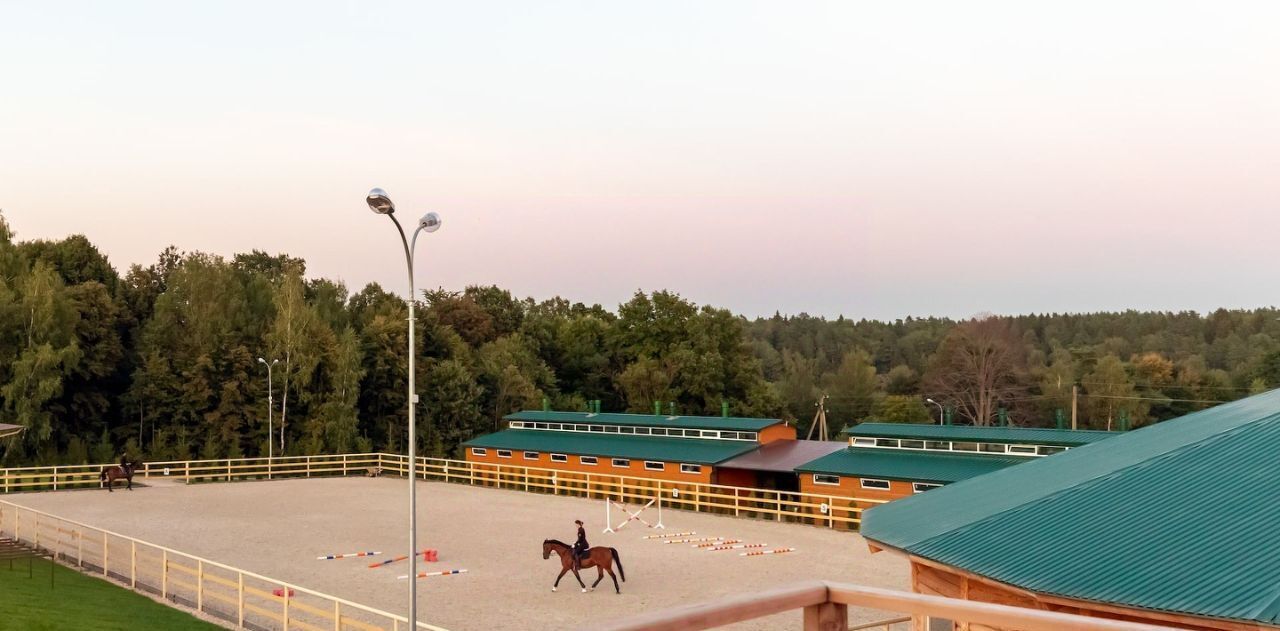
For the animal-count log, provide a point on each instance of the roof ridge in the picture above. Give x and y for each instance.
(1093, 481)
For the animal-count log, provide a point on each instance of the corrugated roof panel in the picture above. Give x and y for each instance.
(1180, 517)
(731, 423)
(691, 450)
(1010, 435)
(783, 456)
(916, 466)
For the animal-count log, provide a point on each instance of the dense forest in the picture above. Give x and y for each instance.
(163, 361)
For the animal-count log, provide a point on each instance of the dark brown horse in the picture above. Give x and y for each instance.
(599, 557)
(124, 470)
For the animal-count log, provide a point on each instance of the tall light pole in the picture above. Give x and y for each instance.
(380, 203)
(940, 409)
(270, 405)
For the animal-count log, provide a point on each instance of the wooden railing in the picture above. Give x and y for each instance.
(826, 608)
(238, 597)
(829, 511)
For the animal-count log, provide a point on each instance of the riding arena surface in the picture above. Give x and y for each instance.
(278, 528)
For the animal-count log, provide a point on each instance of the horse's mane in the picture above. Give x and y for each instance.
(556, 542)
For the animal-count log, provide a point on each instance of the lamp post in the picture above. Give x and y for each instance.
(270, 406)
(940, 410)
(381, 204)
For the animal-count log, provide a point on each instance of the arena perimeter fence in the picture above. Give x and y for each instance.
(246, 599)
(828, 511)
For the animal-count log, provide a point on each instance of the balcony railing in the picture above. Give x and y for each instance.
(826, 608)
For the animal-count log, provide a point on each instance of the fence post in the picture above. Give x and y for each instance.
(105, 551)
(344, 464)
(199, 585)
(337, 616)
(55, 478)
(133, 564)
(308, 466)
(228, 469)
(164, 574)
(79, 549)
(37, 535)
(779, 513)
(186, 472)
(240, 599)
(826, 616)
(284, 589)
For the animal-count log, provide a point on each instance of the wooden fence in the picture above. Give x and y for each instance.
(829, 511)
(236, 596)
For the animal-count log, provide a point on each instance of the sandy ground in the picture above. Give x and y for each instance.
(277, 529)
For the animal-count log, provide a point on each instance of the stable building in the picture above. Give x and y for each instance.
(889, 461)
(671, 448)
(1174, 524)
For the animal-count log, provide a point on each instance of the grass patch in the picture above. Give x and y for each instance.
(77, 601)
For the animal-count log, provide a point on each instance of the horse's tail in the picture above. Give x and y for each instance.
(617, 559)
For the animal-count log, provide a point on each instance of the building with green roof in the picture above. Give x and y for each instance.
(1176, 524)
(666, 447)
(889, 461)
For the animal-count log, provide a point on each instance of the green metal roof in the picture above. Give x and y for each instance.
(692, 450)
(731, 423)
(970, 433)
(1180, 517)
(895, 464)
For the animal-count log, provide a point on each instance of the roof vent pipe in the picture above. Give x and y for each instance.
(724, 409)
(657, 408)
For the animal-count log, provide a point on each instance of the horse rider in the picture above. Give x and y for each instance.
(580, 546)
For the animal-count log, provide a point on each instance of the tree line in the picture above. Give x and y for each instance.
(163, 361)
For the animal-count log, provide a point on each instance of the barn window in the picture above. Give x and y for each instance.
(921, 487)
(587, 460)
(912, 444)
(956, 446)
(864, 442)
(886, 442)
(877, 485)
(654, 466)
(690, 468)
(621, 463)
(477, 451)
(504, 453)
(530, 455)
(559, 458)
(1049, 451)
(992, 448)
(1022, 449)
(826, 479)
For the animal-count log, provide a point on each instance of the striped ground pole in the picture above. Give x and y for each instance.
(346, 556)
(763, 552)
(738, 547)
(717, 543)
(426, 574)
(700, 539)
(670, 535)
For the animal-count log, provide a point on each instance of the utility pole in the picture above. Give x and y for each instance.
(820, 419)
(1075, 403)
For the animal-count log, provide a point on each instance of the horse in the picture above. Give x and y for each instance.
(115, 472)
(599, 557)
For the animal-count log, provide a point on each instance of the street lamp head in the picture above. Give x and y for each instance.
(930, 400)
(379, 202)
(430, 222)
(262, 361)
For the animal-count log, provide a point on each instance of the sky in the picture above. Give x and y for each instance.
(865, 159)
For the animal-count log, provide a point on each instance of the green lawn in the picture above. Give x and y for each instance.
(78, 602)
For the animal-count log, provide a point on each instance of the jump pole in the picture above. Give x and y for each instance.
(633, 516)
(763, 552)
(396, 560)
(332, 557)
(426, 574)
(716, 543)
(698, 540)
(674, 534)
(736, 547)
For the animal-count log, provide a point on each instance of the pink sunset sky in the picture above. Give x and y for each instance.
(868, 159)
